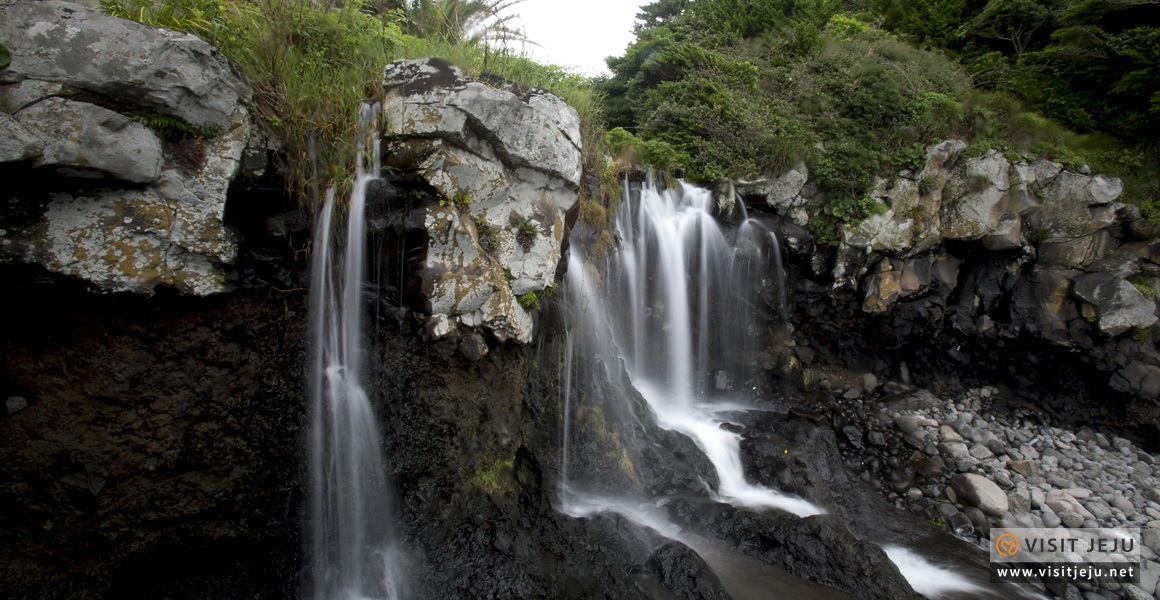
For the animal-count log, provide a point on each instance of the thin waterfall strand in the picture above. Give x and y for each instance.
(353, 548)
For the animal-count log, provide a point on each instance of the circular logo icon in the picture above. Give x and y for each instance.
(1007, 544)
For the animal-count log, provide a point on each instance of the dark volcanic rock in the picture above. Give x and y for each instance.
(156, 428)
(684, 573)
(819, 548)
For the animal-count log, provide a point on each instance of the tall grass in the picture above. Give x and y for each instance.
(312, 61)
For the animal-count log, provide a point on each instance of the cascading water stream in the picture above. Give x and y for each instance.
(672, 255)
(353, 549)
(676, 300)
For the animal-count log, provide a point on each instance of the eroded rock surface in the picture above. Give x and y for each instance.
(506, 163)
(103, 197)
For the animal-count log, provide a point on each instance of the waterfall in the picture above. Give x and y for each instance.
(353, 549)
(675, 304)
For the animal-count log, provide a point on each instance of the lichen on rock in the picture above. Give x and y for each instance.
(506, 161)
(117, 206)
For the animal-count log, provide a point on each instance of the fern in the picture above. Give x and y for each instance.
(166, 126)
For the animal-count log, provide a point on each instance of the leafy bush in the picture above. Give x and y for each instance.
(847, 166)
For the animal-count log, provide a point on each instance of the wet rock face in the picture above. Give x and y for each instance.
(684, 572)
(820, 548)
(506, 163)
(103, 197)
(157, 443)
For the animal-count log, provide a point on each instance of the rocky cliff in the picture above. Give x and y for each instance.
(987, 265)
(101, 195)
(152, 367)
(504, 162)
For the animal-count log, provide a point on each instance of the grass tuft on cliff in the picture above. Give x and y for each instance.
(312, 61)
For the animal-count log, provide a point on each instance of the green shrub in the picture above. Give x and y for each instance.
(166, 126)
(847, 165)
(912, 158)
(310, 64)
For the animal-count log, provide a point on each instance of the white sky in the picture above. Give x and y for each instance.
(577, 33)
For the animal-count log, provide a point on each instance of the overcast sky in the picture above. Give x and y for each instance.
(574, 33)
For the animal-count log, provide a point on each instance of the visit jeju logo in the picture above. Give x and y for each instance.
(1007, 544)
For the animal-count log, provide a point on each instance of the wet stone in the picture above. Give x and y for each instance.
(853, 435)
(16, 404)
(948, 434)
(1098, 510)
(1123, 505)
(1019, 501)
(1023, 467)
(907, 423)
(929, 467)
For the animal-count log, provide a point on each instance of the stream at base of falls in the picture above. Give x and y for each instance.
(668, 326)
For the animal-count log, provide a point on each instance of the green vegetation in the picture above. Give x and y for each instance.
(310, 64)
(312, 61)
(1145, 286)
(527, 226)
(857, 89)
(458, 200)
(5, 58)
(495, 478)
(724, 88)
(166, 126)
(532, 300)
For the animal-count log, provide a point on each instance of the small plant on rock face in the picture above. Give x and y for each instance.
(912, 158)
(1038, 236)
(927, 186)
(166, 126)
(526, 231)
(826, 231)
(1144, 286)
(527, 227)
(486, 234)
(533, 299)
(459, 200)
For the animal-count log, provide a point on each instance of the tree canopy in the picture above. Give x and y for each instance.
(852, 87)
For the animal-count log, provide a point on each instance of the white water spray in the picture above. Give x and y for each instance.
(353, 549)
(675, 297)
(929, 579)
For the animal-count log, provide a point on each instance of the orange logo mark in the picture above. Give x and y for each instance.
(1007, 544)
